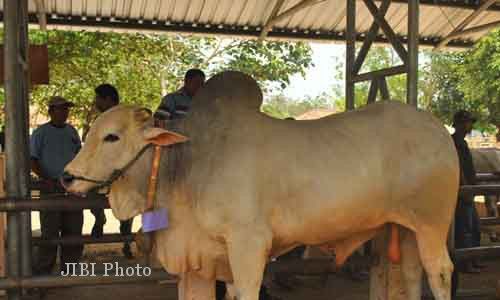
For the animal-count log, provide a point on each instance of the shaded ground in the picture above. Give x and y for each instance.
(336, 286)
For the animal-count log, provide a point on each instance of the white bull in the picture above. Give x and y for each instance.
(487, 160)
(246, 187)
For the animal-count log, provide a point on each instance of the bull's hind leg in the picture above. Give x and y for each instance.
(411, 266)
(436, 262)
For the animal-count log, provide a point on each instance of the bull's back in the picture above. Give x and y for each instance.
(355, 170)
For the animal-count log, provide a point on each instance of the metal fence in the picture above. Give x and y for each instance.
(71, 202)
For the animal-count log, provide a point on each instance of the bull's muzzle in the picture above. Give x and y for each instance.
(67, 179)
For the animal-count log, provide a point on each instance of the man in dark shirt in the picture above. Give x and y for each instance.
(176, 105)
(106, 97)
(467, 233)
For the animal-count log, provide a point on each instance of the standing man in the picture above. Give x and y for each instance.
(106, 97)
(52, 146)
(467, 233)
(176, 105)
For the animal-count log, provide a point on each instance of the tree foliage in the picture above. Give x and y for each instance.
(467, 80)
(480, 76)
(377, 58)
(280, 106)
(441, 77)
(144, 67)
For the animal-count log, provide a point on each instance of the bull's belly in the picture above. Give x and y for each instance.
(324, 226)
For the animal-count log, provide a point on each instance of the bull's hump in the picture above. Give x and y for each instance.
(232, 89)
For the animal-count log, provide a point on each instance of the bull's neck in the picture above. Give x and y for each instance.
(138, 176)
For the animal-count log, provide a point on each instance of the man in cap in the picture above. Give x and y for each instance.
(467, 233)
(52, 146)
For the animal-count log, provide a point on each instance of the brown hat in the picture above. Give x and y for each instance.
(59, 101)
(463, 116)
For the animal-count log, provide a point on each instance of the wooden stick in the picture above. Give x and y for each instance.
(153, 179)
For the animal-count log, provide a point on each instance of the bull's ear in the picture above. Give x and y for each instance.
(162, 137)
(141, 115)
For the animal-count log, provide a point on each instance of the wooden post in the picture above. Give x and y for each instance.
(17, 161)
(412, 78)
(3, 221)
(350, 54)
(386, 282)
(498, 289)
(384, 89)
(193, 287)
(372, 92)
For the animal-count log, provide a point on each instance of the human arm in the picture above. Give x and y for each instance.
(36, 148)
(167, 109)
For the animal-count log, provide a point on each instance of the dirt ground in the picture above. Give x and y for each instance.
(336, 286)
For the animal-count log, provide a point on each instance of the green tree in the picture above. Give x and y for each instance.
(280, 106)
(378, 58)
(480, 76)
(466, 80)
(144, 67)
(442, 76)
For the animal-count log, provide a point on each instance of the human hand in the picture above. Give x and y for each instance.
(49, 184)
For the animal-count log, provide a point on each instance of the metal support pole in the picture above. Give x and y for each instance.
(350, 54)
(24, 87)
(477, 252)
(412, 78)
(86, 239)
(480, 189)
(16, 135)
(70, 203)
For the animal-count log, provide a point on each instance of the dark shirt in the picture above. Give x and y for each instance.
(467, 170)
(176, 104)
(2, 140)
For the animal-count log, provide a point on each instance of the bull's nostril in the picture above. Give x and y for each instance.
(67, 178)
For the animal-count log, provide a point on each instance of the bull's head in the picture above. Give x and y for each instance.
(117, 138)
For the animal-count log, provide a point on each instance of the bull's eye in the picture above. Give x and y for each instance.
(111, 138)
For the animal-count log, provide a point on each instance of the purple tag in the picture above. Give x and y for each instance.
(155, 220)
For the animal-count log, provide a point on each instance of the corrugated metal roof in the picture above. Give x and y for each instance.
(325, 20)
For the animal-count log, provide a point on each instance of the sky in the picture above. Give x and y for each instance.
(320, 77)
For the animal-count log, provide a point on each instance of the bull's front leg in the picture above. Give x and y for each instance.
(248, 251)
(193, 287)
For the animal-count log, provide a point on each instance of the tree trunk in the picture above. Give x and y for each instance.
(163, 83)
(498, 133)
(86, 124)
